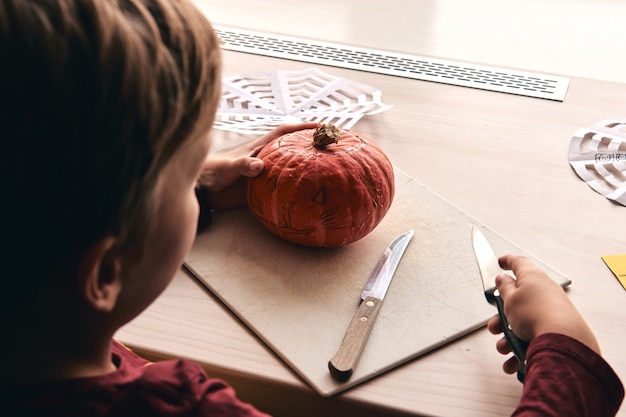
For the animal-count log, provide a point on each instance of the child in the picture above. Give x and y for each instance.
(105, 113)
(565, 375)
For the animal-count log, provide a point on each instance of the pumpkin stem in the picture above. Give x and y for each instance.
(326, 134)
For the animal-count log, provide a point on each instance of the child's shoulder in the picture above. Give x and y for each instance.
(136, 387)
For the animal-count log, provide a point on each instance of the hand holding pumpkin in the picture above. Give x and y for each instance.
(224, 174)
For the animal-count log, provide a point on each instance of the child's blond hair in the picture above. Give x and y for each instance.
(95, 97)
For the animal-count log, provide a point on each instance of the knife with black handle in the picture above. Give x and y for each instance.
(489, 269)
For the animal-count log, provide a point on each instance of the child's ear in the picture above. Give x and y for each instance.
(99, 275)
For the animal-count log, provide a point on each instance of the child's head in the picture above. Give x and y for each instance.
(97, 99)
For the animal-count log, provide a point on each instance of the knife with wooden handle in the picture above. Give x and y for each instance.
(345, 360)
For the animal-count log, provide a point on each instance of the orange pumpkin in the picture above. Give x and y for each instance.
(322, 187)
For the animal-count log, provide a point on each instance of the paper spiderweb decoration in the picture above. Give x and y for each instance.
(598, 155)
(258, 102)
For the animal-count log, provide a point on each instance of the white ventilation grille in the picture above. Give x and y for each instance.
(390, 63)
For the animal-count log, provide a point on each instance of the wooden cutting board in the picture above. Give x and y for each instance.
(300, 300)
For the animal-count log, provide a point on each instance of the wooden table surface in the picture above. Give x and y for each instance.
(503, 159)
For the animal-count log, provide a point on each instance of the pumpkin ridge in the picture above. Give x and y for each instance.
(322, 197)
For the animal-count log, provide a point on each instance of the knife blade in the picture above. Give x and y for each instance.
(345, 360)
(489, 269)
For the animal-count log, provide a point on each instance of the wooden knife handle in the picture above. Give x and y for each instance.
(345, 360)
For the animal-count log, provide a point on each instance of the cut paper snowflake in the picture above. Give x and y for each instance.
(259, 102)
(598, 155)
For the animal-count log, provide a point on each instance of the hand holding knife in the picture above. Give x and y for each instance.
(345, 360)
(489, 269)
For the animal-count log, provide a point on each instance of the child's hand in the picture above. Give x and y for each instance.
(224, 174)
(535, 304)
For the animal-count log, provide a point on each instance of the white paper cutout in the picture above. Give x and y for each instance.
(598, 155)
(258, 102)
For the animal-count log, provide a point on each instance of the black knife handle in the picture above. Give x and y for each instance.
(517, 346)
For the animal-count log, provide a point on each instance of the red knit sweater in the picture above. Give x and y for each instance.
(136, 388)
(563, 378)
(566, 378)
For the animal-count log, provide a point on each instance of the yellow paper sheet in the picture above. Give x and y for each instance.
(617, 264)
